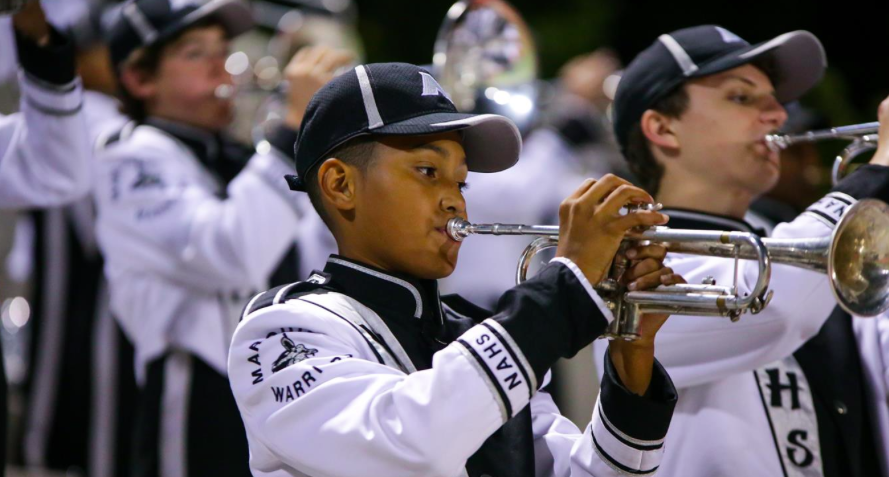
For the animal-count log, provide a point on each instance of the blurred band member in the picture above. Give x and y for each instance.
(191, 223)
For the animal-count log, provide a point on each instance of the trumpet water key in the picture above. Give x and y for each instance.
(855, 257)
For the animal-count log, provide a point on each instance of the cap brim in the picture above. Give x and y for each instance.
(798, 58)
(492, 142)
(234, 15)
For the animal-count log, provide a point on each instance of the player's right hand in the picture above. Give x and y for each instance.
(591, 227)
(310, 69)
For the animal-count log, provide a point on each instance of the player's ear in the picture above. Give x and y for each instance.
(138, 83)
(337, 181)
(659, 129)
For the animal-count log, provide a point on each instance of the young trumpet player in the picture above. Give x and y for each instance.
(363, 369)
(191, 223)
(798, 389)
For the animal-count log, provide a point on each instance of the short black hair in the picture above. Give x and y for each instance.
(638, 151)
(359, 152)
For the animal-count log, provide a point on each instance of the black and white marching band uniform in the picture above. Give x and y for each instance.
(555, 160)
(80, 385)
(357, 371)
(44, 149)
(799, 389)
(191, 226)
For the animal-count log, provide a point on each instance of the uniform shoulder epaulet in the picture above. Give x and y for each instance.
(114, 136)
(466, 308)
(282, 293)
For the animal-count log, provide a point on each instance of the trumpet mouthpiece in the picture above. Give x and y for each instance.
(224, 91)
(458, 229)
(777, 142)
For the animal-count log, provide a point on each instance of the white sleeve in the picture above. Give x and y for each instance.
(625, 436)
(323, 389)
(700, 349)
(158, 216)
(45, 153)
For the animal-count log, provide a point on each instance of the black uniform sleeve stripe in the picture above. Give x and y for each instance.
(503, 397)
(53, 111)
(826, 217)
(639, 418)
(358, 330)
(550, 316)
(248, 308)
(620, 436)
(385, 345)
(617, 465)
(840, 197)
(263, 300)
(515, 357)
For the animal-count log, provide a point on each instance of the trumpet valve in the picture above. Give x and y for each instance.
(631, 208)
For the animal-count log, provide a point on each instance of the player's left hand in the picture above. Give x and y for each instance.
(633, 360)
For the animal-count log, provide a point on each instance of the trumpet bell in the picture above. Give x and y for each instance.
(485, 58)
(858, 264)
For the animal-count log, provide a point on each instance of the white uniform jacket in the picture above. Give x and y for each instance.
(183, 253)
(357, 372)
(724, 425)
(45, 152)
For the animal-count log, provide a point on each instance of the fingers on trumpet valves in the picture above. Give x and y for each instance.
(641, 252)
(641, 219)
(653, 278)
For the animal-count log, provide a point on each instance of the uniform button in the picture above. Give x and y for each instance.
(841, 408)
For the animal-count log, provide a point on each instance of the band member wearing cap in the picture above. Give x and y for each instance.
(366, 357)
(799, 388)
(191, 224)
(44, 150)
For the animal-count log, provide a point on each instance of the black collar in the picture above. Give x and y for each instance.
(404, 295)
(203, 144)
(221, 155)
(696, 220)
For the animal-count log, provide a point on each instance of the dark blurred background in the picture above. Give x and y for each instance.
(854, 35)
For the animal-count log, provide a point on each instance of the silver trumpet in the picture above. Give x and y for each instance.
(863, 136)
(855, 258)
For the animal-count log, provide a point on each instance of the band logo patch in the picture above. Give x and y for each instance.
(293, 353)
(431, 87)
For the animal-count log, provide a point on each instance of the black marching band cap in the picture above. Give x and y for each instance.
(391, 99)
(797, 57)
(143, 23)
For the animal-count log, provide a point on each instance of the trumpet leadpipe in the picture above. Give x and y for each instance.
(778, 142)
